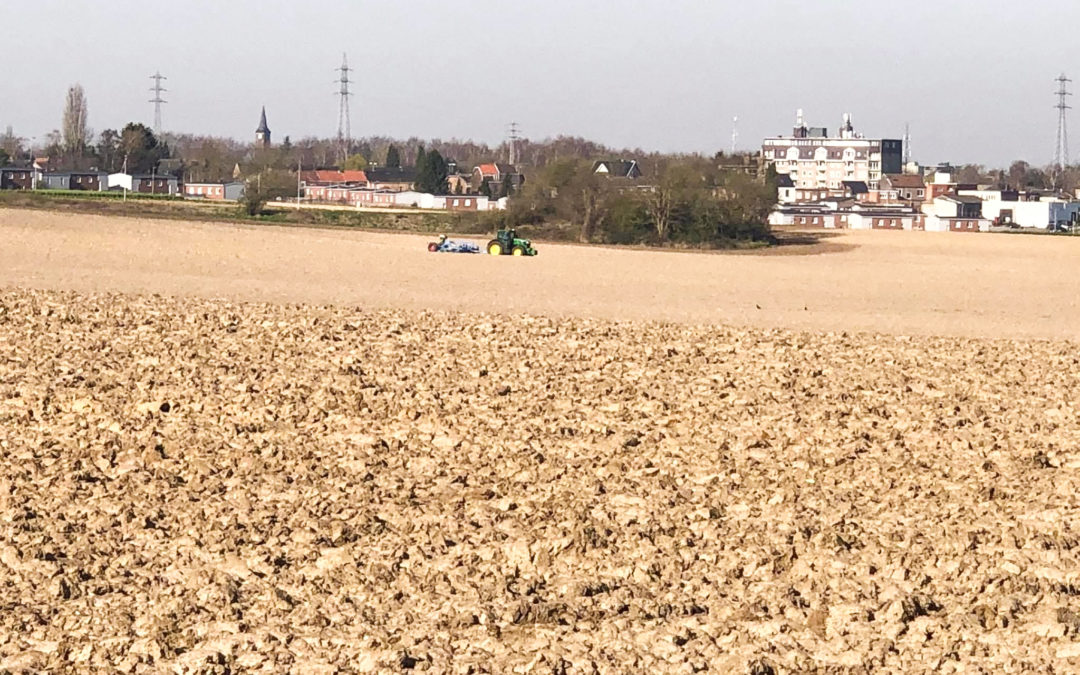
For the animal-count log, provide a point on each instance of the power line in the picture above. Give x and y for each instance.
(514, 135)
(344, 133)
(1061, 153)
(157, 100)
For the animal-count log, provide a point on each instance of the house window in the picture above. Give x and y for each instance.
(468, 202)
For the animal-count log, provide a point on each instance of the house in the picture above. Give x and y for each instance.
(619, 168)
(151, 184)
(946, 224)
(329, 193)
(494, 174)
(855, 189)
(412, 199)
(91, 181)
(466, 202)
(908, 188)
(155, 184)
(952, 205)
(55, 180)
(233, 191)
(459, 183)
(18, 178)
(393, 179)
(369, 198)
(785, 188)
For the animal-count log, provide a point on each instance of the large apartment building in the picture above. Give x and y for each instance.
(815, 160)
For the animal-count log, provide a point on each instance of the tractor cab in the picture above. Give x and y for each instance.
(506, 242)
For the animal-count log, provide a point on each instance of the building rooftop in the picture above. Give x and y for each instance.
(391, 175)
(906, 180)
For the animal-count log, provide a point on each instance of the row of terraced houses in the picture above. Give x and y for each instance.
(38, 176)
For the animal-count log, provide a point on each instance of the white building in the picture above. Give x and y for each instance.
(1042, 215)
(813, 159)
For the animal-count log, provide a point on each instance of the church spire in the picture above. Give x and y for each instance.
(262, 134)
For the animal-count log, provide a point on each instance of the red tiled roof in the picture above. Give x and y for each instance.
(333, 177)
(488, 170)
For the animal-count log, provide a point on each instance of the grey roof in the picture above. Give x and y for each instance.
(857, 187)
(391, 175)
(621, 168)
(963, 199)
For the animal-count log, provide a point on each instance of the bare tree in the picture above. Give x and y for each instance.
(75, 129)
(10, 143)
(676, 182)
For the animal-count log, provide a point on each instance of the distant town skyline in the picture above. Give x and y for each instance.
(974, 80)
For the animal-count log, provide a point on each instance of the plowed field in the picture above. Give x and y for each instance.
(322, 472)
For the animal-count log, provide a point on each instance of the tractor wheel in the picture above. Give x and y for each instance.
(494, 247)
(433, 247)
(518, 251)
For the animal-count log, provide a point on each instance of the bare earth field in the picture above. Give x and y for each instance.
(896, 282)
(329, 451)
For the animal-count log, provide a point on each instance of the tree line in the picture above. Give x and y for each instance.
(680, 200)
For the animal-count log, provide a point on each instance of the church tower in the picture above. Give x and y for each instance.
(262, 134)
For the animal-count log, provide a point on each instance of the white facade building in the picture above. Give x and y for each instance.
(813, 159)
(1041, 215)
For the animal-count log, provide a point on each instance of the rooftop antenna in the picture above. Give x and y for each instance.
(1061, 154)
(907, 144)
(514, 136)
(734, 134)
(157, 100)
(344, 131)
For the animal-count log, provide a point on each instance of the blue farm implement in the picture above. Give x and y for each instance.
(445, 245)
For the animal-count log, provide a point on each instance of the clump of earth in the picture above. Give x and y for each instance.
(204, 486)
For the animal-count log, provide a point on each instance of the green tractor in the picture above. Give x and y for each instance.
(506, 242)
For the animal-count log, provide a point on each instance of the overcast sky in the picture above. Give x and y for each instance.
(973, 78)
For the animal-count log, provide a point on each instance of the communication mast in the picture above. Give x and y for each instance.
(907, 145)
(514, 135)
(344, 132)
(157, 100)
(734, 135)
(1061, 154)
